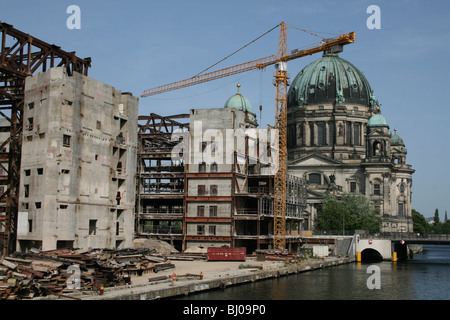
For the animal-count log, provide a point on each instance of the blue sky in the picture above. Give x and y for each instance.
(138, 45)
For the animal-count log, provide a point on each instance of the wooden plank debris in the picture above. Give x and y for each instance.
(45, 273)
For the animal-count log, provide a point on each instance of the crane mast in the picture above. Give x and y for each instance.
(281, 83)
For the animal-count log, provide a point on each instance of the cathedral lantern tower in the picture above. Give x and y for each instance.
(378, 139)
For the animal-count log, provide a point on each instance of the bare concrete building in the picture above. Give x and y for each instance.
(78, 169)
(229, 181)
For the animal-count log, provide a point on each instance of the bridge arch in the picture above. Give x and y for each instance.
(374, 249)
(370, 255)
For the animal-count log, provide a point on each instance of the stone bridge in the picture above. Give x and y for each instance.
(381, 247)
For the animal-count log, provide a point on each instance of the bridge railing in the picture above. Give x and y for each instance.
(412, 236)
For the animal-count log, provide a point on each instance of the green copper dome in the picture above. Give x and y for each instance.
(330, 79)
(377, 120)
(239, 102)
(397, 141)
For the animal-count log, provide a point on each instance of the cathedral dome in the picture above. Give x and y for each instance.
(377, 120)
(330, 79)
(239, 102)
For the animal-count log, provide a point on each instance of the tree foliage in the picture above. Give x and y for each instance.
(420, 225)
(351, 212)
(423, 227)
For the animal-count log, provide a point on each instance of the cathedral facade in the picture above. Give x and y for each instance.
(339, 141)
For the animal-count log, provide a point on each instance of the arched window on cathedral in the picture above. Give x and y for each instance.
(321, 134)
(348, 133)
(377, 187)
(356, 134)
(315, 179)
(401, 209)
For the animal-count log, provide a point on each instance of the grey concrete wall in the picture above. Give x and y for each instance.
(73, 138)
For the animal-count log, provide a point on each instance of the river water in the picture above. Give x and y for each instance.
(425, 277)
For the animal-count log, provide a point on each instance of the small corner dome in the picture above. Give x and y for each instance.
(239, 102)
(377, 120)
(396, 140)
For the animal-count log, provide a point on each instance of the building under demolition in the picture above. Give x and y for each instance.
(210, 181)
(77, 185)
(95, 175)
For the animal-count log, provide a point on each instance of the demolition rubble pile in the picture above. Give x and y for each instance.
(58, 272)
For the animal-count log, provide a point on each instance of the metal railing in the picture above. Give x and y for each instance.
(161, 230)
(162, 211)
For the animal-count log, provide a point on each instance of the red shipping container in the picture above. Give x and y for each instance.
(226, 254)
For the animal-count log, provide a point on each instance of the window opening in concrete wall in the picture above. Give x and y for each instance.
(66, 140)
(213, 190)
(213, 211)
(30, 124)
(92, 227)
(200, 230)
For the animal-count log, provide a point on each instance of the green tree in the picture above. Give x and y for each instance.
(351, 212)
(438, 227)
(436, 216)
(420, 225)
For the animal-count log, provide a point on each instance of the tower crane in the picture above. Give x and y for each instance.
(281, 83)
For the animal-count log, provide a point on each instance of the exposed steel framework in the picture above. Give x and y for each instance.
(281, 84)
(22, 55)
(155, 147)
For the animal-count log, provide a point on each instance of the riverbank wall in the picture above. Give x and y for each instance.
(188, 285)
